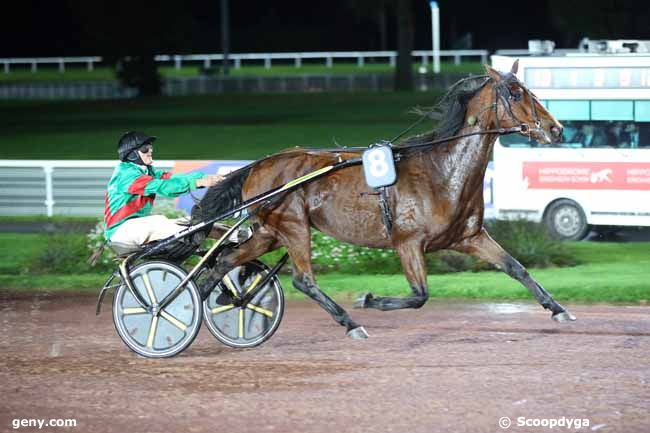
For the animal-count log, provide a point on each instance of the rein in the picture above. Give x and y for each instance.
(502, 92)
(523, 128)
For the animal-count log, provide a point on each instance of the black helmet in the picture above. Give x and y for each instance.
(131, 141)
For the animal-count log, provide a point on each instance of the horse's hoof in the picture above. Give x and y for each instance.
(563, 316)
(362, 301)
(358, 333)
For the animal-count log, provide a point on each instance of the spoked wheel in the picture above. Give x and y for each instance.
(249, 326)
(167, 332)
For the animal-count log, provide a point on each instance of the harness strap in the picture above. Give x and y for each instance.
(386, 215)
(384, 206)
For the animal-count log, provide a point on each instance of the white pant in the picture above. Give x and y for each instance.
(138, 231)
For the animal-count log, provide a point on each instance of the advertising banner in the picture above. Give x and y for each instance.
(587, 175)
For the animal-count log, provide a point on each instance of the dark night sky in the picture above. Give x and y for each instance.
(51, 28)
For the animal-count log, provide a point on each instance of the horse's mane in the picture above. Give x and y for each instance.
(450, 110)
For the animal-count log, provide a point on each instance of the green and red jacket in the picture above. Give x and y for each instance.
(133, 188)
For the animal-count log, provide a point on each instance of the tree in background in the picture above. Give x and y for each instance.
(404, 13)
(129, 34)
(405, 32)
(377, 12)
(599, 19)
(139, 71)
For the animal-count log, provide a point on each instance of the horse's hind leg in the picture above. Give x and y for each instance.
(304, 281)
(297, 239)
(486, 248)
(415, 269)
(260, 243)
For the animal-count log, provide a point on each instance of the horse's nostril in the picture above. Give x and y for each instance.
(557, 132)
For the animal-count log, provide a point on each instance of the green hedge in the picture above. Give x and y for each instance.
(528, 242)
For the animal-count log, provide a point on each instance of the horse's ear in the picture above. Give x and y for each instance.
(515, 67)
(493, 73)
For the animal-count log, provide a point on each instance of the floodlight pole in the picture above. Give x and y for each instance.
(435, 34)
(225, 35)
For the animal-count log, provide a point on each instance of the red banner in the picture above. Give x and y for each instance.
(587, 175)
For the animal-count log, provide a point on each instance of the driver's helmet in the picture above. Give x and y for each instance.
(130, 142)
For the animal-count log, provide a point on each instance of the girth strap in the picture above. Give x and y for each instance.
(384, 206)
(386, 215)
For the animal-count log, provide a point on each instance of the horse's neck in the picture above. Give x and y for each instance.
(466, 158)
(471, 155)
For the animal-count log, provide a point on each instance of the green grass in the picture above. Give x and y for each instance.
(585, 283)
(17, 249)
(82, 283)
(73, 73)
(238, 126)
(608, 273)
(616, 282)
(56, 219)
(80, 73)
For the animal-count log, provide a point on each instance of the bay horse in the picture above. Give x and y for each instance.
(437, 201)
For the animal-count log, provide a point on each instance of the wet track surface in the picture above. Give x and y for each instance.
(447, 367)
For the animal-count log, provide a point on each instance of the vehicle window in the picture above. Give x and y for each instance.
(516, 140)
(593, 134)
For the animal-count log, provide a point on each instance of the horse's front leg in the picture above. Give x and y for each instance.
(415, 269)
(484, 247)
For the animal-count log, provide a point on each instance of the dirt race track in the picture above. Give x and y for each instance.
(447, 367)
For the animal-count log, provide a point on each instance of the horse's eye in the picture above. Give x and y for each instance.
(516, 94)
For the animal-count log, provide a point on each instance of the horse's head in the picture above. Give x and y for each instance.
(516, 106)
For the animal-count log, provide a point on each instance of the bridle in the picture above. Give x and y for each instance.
(502, 93)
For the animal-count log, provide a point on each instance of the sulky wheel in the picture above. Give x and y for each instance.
(239, 326)
(172, 329)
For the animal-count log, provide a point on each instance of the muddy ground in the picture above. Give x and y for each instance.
(447, 367)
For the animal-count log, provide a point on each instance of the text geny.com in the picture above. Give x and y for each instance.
(40, 423)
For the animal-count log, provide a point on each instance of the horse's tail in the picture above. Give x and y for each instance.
(221, 197)
(228, 193)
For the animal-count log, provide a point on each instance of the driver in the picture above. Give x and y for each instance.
(133, 188)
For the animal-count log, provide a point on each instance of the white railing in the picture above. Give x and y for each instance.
(267, 58)
(327, 57)
(78, 188)
(60, 61)
(41, 187)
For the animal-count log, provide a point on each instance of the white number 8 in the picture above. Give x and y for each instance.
(378, 166)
